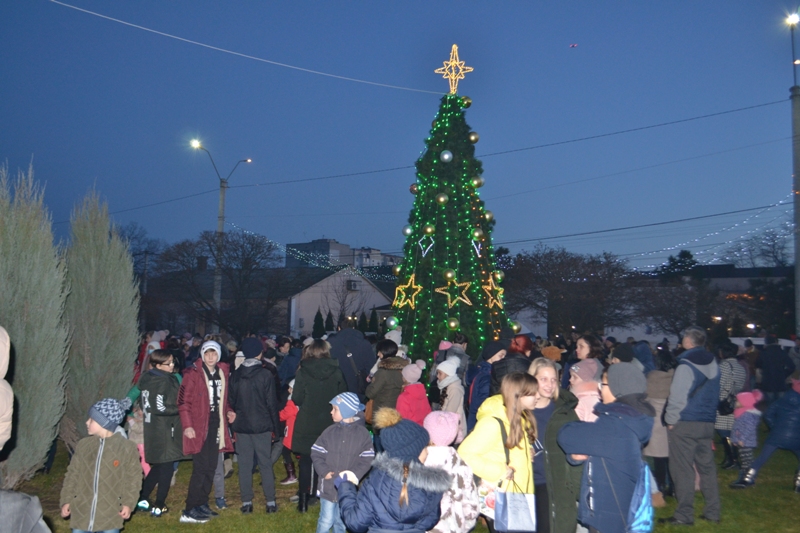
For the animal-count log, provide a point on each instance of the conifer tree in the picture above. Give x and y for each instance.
(329, 325)
(32, 278)
(362, 322)
(101, 311)
(319, 326)
(373, 321)
(448, 280)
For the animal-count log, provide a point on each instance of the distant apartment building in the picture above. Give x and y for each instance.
(320, 252)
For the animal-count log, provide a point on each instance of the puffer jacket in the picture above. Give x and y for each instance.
(163, 432)
(377, 504)
(343, 446)
(460, 504)
(484, 450)
(614, 446)
(412, 403)
(317, 382)
(194, 405)
(6, 393)
(454, 403)
(103, 476)
(783, 418)
(387, 384)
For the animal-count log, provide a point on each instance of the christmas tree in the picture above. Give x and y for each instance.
(448, 280)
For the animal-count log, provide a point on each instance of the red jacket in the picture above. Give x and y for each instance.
(412, 404)
(194, 405)
(289, 414)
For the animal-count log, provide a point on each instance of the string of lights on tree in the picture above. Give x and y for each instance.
(448, 280)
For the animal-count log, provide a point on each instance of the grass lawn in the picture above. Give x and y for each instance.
(771, 506)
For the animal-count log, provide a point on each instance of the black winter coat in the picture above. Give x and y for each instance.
(377, 504)
(163, 433)
(775, 366)
(317, 382)
(783, 419)
(512, 362)
(352, 341)
(253, 396)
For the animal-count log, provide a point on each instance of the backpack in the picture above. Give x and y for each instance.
(640, 511)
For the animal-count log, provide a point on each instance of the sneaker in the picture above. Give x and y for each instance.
(272, 508)
(193, 516)
(247, 508)
(288, 480)
(294, 499)
(143, 505)
(156, 512)
(221, 503)
(205, 509)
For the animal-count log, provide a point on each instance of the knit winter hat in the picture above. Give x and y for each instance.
(308, 340)
(348, 404)
(395, 335)
(449, 367)
(444, 345)
(626, 378)
(401, 439)
(491, 349)
(587, 370)
(109, 413)
(749, 399)
(623, 352)
(442, 426)
(412, 373)
(251, 347)
(211, 345)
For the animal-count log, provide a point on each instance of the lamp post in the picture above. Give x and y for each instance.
(223, 184)
(792, 21)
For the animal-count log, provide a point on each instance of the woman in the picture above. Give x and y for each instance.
(521, 344)
(587, 347)
(557, 483)
(387, 384)
(658, 384)
(163, 433)
(451, 391)
(732, 378)
(484, 449)
(317, 382)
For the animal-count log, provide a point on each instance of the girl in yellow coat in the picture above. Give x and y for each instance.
(483, 449)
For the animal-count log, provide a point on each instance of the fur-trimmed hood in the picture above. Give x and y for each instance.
(422, 477)
(393, 363)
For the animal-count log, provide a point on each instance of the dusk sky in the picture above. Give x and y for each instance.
(95, 102)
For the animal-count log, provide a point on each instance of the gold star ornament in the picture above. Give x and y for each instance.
(406, 294)
(494, 292)
(459, 292)
(453, 70)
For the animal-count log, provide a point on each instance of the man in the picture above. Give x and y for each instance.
(623, 353)
(609, 344)
(202, 402)
(690, 415)
(254, 418)
(774, 366)
(481, 384)
(291, 360)
(355, 357)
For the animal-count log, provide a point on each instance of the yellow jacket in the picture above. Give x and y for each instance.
(483, 449)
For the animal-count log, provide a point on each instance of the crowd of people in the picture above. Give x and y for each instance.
(575, 429)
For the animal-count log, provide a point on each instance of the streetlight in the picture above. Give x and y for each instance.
(792, 20)
(223, 184)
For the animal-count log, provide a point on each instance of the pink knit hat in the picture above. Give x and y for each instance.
(748, 400)
(444, 345)
(587, 370)
(412, 372)
(443, 427)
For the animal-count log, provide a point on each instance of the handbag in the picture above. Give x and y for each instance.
(726, 405)
(368, 412)
(513, 511)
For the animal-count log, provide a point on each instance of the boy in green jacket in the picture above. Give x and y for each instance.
(104, 477)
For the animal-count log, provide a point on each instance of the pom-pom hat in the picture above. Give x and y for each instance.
(587, 370)
(443, 428)
(411, 373)
(401, 439)
(109, 413)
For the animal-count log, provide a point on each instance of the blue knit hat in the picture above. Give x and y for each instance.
(401, 439)
(348, 404)
(109, 413)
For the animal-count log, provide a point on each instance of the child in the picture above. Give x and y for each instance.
(460, 503)
(412, 404)
(584, 377)
(344, 446)
(744, 435)
(400, 493)
(288, 415)
(104, 475)
(452, 391)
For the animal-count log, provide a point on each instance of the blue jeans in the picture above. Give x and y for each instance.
(104, 531)
(329, 516)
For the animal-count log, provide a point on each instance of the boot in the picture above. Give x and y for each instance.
(797, 481)
(302, 503)
(746, 479)
(729, 461)
(290, 475)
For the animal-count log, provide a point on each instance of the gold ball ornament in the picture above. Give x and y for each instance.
(442, 198)
(407, 230)
(474, 137)
(449, 274)
(414, 188)
(446, 156)
(516, 327)
(433, 124)
(396, 270)
(392, 322)
(429, 229)
(477, 182)
(488, 215)
(453, 323)
(466, 101)
(477, 234)
(499, 275)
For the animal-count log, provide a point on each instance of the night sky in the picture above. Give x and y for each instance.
(93, 102)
